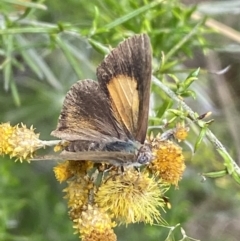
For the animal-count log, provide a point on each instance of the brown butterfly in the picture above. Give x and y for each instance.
(107, 120)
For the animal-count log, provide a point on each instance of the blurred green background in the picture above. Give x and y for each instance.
(45, 47)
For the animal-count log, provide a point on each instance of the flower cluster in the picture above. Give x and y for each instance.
(96, 205)
(100, 197)
(89, 220)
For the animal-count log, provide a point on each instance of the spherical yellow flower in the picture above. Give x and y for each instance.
(181, 132)
(95, 225)
(168, 163)
(77, 194)
(6, 131)
(131, 197)
(19, 142)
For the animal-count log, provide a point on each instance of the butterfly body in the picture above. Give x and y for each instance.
(107, 120)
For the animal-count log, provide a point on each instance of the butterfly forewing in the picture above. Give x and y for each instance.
(125, 76)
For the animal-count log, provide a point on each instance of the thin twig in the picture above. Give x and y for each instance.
(219, 27)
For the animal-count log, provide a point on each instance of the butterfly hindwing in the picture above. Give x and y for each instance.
(87, 115)
(114, 158)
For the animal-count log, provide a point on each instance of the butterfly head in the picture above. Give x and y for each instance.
(144, 155)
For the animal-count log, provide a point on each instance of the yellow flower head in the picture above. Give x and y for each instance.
(95, 225)
(19, 142)
(77, 194)
(6, 131)
(168, 163)
(62, 171)
(67, 169)
(131, 197)
(181, 132)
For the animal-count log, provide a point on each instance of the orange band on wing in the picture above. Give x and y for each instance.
(125, 101)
